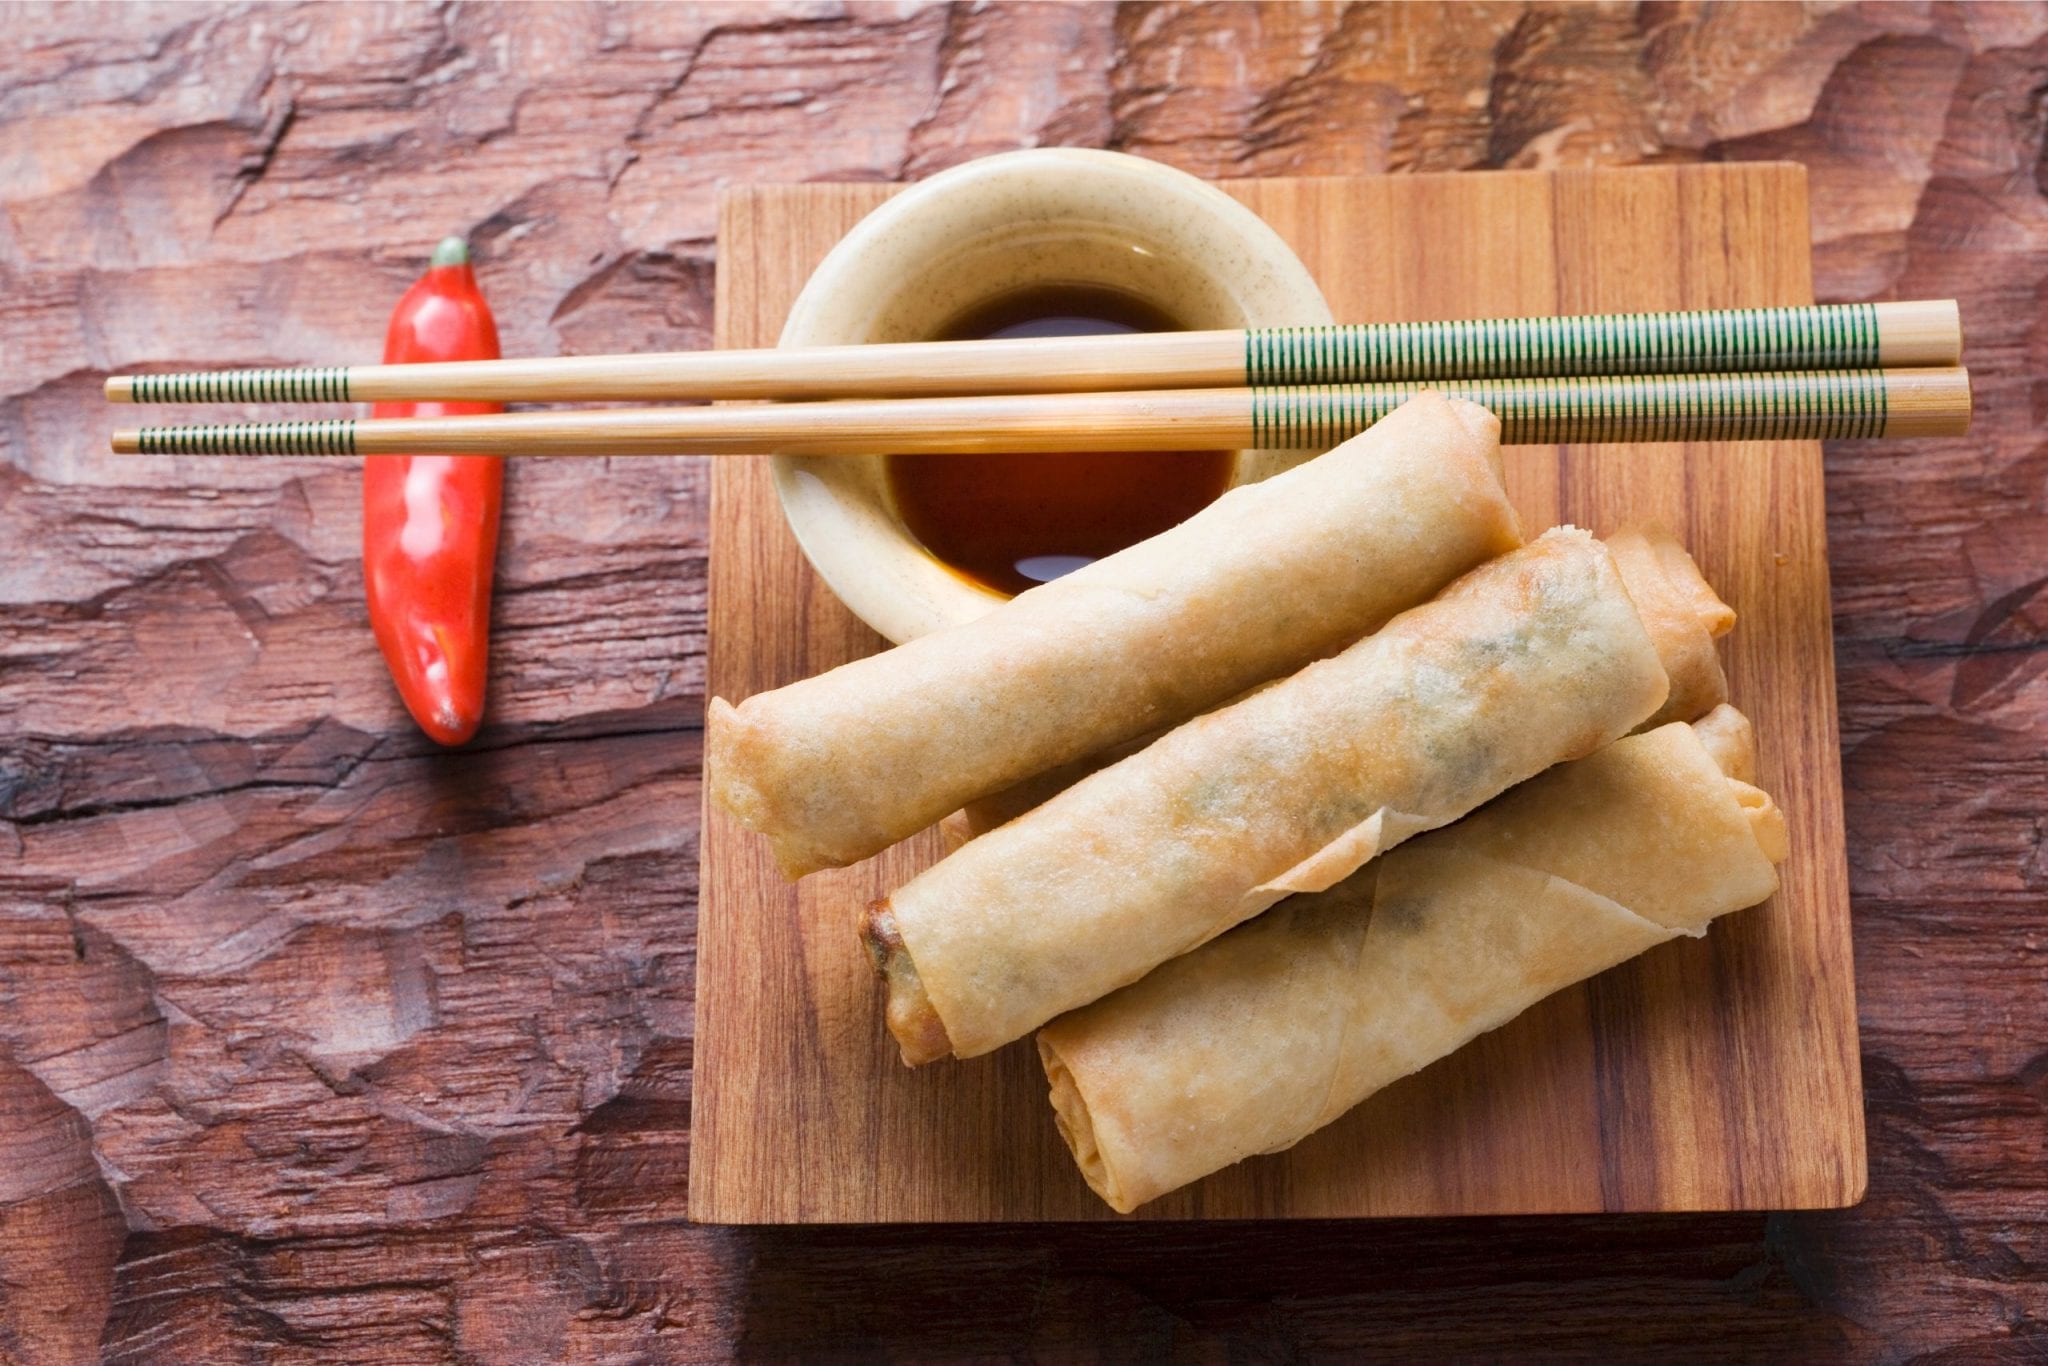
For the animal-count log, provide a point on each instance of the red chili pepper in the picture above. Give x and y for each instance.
(430, 522)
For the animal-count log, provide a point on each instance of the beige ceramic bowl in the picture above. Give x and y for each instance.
(989, 228)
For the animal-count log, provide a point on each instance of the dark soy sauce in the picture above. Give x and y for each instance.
(1008, 522)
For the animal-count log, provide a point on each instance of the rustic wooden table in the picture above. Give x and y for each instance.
(317, 1043)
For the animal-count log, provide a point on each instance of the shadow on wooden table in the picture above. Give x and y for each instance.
(1735, 1285)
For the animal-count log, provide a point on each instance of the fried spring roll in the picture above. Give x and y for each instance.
(1254, 1041)
(1535, 658)
(1684, 615)
(1265, 579)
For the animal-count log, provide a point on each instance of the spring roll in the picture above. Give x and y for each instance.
(1532, 659)
(1265, 579)
(1252, 1042)
(1683, 613)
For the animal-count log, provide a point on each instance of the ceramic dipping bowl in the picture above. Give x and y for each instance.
(991, 228)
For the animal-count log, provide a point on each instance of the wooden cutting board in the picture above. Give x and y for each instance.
(1706, 1075)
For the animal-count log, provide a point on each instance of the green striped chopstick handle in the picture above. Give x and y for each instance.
(1812, 405)
(1819, 337)
(321, 384)
(1818, 405)
(336, 436)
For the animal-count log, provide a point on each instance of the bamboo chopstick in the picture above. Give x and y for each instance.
(1722, 407)
(1823, 337)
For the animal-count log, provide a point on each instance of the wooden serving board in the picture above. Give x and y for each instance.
(1711, 1074)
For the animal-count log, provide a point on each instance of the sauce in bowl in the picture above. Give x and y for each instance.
(1008, 522)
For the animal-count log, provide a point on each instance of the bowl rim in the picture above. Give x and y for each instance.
(842, 559)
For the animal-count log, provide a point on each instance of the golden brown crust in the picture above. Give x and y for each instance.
(1681, 612)
(1076, 1125)
(732, 743)
(837, 767)
(977, 818)
(917, 1027)
(1730, 740)
(1263, 1035)
(1533, 659)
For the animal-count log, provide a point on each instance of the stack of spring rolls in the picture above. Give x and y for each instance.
(1312, 697)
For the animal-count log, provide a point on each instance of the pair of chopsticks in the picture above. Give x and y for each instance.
(1815, 372)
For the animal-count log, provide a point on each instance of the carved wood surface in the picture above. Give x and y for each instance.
(315, 1043)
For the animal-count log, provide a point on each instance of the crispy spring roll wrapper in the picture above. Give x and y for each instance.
(1532, 659)
(1683, 613)
(1254, 1041)
(1260, 582)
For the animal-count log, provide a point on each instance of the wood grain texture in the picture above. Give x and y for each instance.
(1709, 1075)
(183, 651)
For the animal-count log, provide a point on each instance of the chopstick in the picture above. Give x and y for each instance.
(1820, 337)
(1824, 404)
